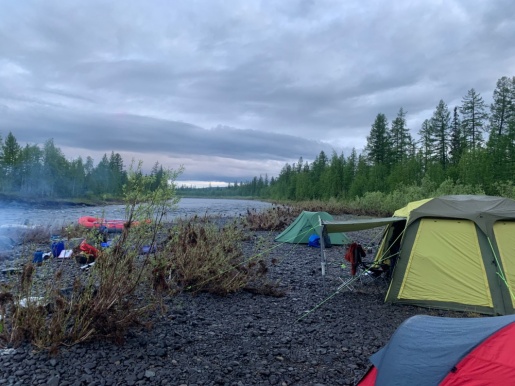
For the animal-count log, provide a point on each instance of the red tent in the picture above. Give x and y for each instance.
(428, 350)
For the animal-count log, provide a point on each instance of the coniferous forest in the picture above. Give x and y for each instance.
(472, 145)
(44, 172)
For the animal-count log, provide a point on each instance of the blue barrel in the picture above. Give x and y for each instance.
(38, 257)
(57, 247)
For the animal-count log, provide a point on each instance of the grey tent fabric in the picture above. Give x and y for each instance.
(424, 349)
(482, 210)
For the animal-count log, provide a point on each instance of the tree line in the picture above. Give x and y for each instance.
(44, 171)
(472, 144)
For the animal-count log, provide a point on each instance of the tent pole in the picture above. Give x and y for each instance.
(322, 252)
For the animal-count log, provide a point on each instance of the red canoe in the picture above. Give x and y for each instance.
(96, 223)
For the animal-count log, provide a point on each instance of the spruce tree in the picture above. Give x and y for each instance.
(11, 156)
(457, 141)
(427, 143)
(401, 141)
(502, 109)
(473, 111)
(440, 127)
(378, 148)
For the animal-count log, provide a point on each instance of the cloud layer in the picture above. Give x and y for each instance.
(232, 90)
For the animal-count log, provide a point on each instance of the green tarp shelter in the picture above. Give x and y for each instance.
(451, 252)
(307, 224)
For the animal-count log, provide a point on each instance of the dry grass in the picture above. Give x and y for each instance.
(200, 256)
(276, 218)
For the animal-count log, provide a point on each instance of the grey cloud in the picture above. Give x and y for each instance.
(128, 133)
(153, 76)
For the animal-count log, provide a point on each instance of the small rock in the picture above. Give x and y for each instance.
(53, 381)
(89, 365)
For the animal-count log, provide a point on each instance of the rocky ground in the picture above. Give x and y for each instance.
(314, 335)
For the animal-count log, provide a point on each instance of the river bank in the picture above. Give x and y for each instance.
(313, 335)
(56, 217)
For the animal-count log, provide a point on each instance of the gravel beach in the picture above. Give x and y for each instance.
(240, 339)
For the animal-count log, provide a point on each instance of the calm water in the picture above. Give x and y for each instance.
(15, 216)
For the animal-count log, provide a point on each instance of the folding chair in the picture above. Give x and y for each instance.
(369, 272)
(364, 272)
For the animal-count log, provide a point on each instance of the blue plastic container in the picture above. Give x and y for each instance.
(57, 247)
(314, 241)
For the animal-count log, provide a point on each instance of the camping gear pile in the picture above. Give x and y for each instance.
(60, 248)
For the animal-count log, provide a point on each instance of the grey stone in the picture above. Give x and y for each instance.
(53, 381)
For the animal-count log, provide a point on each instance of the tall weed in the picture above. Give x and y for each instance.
(202, 256)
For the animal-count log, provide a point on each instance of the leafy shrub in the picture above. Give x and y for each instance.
(505, 189)
(449, 187)
(385, 204)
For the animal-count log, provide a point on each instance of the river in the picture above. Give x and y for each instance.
(19, 215)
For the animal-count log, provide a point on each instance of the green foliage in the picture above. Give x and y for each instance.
(400, 137)
(44, 172)
(378, 148)
(440, 129)
(384, 204)
(502, 110)
(448, 187)
(450, 154)
(504, 189)
(474, 115)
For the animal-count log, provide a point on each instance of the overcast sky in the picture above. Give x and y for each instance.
(238, 88)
